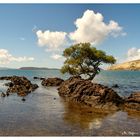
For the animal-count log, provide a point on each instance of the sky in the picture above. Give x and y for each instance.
(36, 34)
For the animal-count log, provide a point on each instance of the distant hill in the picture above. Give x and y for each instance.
(131, 65)
(37, 68)
(5, 68)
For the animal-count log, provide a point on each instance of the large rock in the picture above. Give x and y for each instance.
(133, 102)
(134, 97)
(20, 85)
(94, 95)
(52, 82)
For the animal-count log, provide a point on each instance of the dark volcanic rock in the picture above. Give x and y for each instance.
(3, 94)
(91, 94)
(52, 82)
(39, 78)
(20, 85)
(115, 86)
(23, 99)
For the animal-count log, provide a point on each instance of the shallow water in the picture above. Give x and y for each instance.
(44, 113)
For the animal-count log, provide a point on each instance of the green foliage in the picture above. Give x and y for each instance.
(84, 59)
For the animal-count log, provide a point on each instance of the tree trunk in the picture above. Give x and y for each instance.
(91, 77)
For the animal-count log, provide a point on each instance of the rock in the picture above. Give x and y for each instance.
(22, 93)
(34, 87)
(39, 78)
(20, 85)
(133, 102)
(7, 94)
(36, 78)
(52, 82)
(132, 106)
(115, 86)
(23, 99)
(3, 94)
(10, 84)
(85, 92)
(134, 97)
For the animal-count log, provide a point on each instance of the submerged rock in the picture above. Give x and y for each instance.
(115, 86)
(7, 94)
(3, 94)
(94, 95)
(52, 82)
(23, 99)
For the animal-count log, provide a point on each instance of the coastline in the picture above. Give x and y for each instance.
(44, 113)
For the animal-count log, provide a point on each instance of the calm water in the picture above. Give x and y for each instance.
(45, 113)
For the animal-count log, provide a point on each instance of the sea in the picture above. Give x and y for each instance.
(44, 113)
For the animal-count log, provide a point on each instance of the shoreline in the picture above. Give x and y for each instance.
(44, 113)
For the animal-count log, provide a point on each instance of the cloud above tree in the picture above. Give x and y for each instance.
(89, 28)
(92, 28)
(51, 40)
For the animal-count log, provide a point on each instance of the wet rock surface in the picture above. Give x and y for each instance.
(115, 86)
(98, 96)
(20, 85)
(91, 94)
(52, 82)
(133, 102)
(77, 90)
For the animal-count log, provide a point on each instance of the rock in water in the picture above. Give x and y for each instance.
(3, 94)
(134, 97)
(22, 93)
(115, 86)
(90, 94)
(23, 99)
(133, 102)
(20, 85)
(39, 78)
(52, 82)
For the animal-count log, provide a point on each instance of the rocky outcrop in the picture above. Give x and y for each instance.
(133, 102)
(52, 82)
(132, 65)
(20, 85)
(94, 95)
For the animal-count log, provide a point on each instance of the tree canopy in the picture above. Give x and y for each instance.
(84, 59)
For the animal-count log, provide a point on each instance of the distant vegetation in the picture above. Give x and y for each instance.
(37, 68)
(84, 59)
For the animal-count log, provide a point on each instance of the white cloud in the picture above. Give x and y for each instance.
(53, 41)
(91, 28)
(57, 57)
(133, 54)
(6, 57)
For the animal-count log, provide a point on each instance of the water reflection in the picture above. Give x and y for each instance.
(83, 116)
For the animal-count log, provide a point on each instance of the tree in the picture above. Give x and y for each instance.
(84, 59)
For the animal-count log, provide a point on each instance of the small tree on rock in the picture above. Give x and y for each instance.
(84, 59)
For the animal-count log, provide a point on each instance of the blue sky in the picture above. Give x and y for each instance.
(19, 24)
